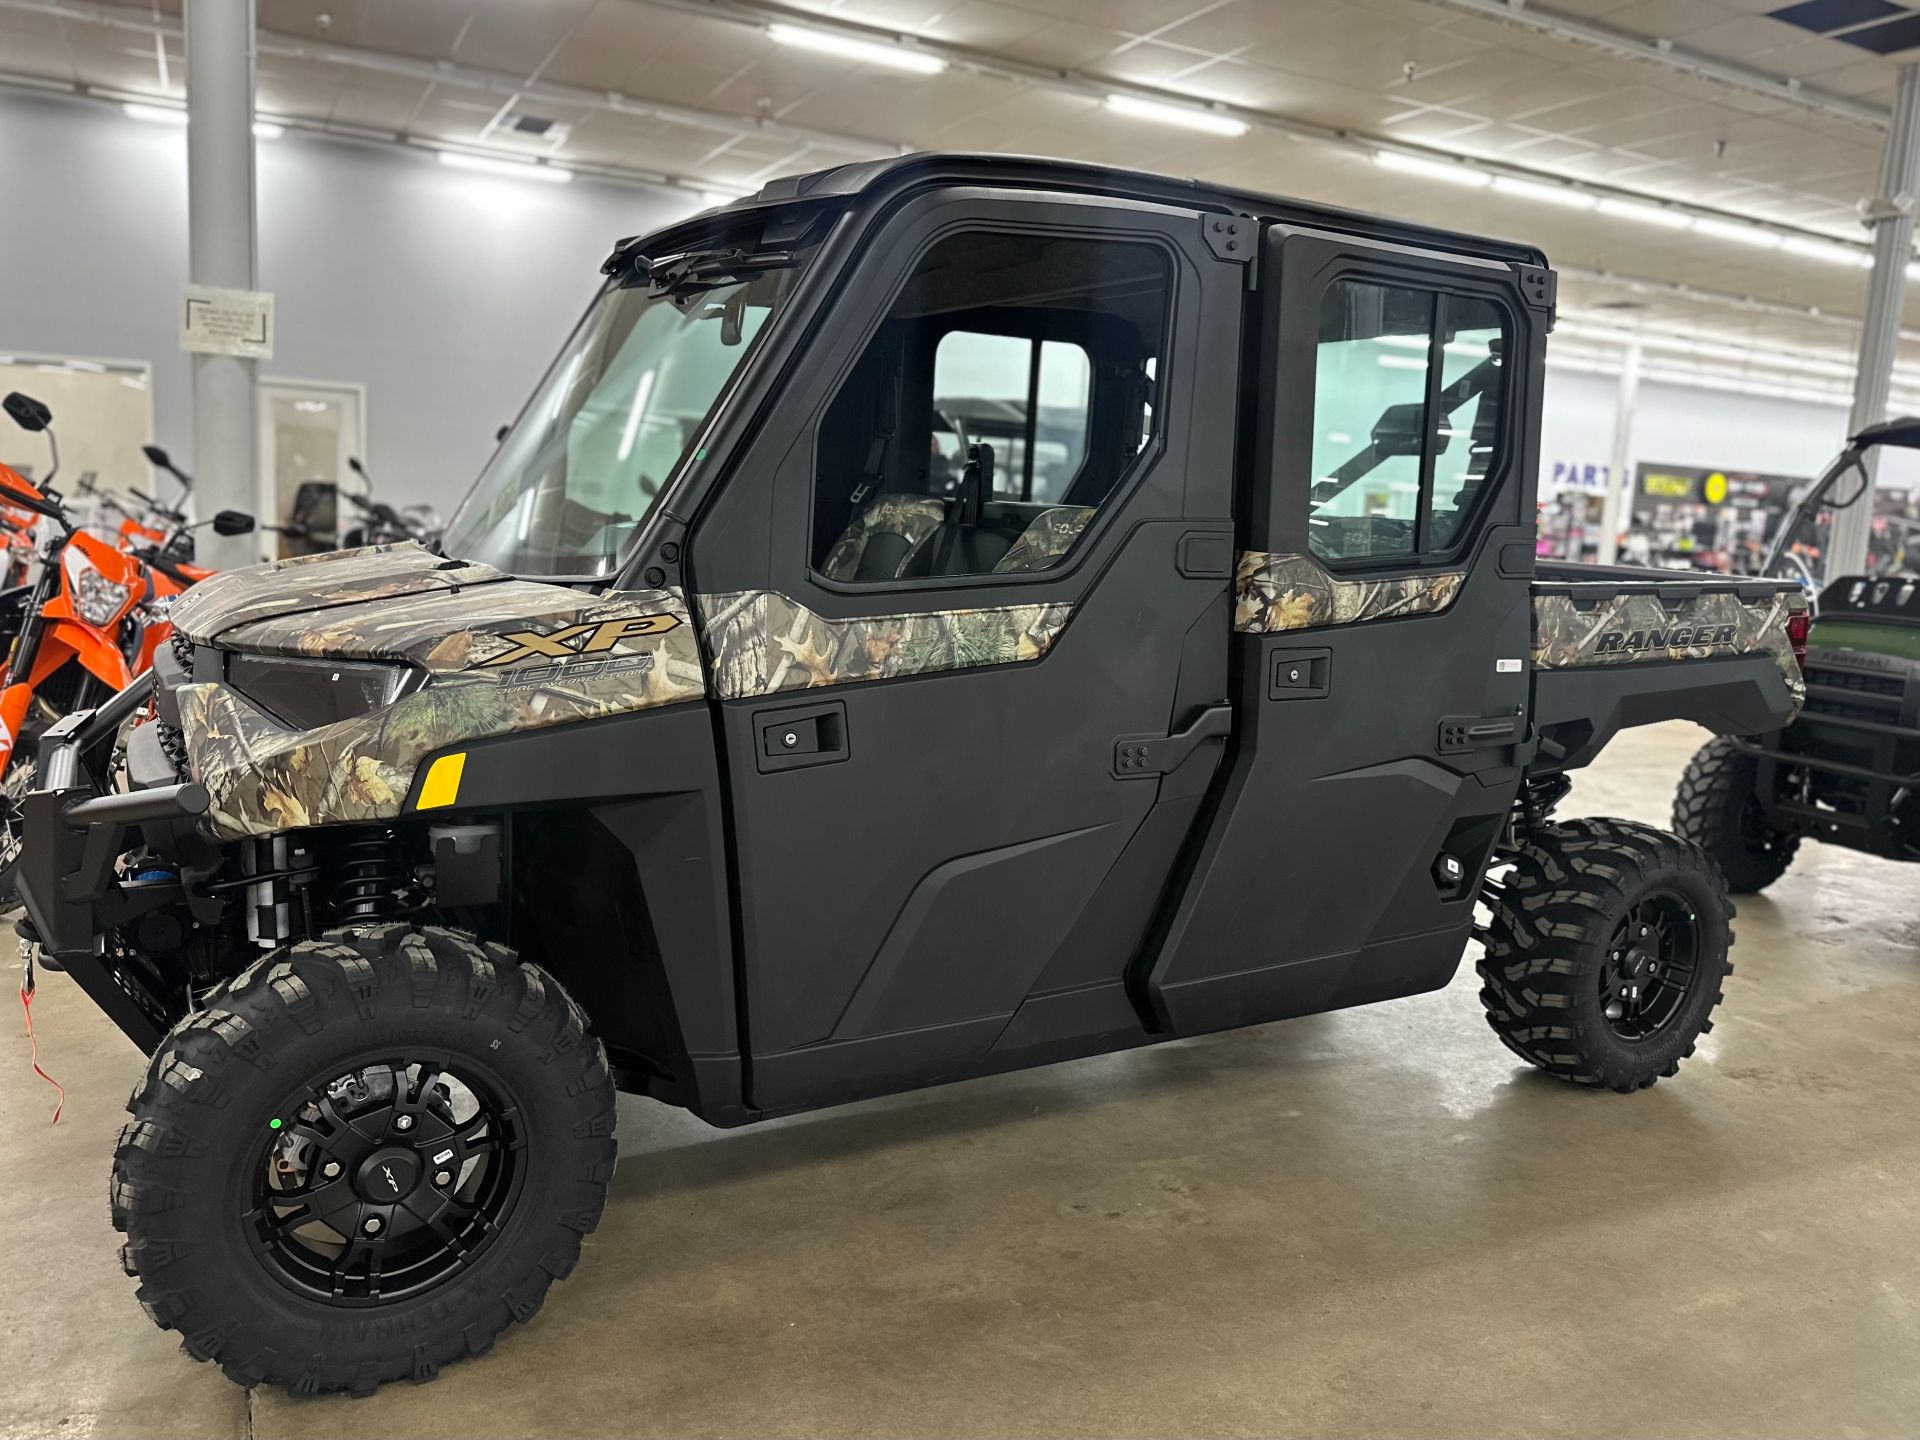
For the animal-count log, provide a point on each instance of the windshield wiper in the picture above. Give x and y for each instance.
(701, 270)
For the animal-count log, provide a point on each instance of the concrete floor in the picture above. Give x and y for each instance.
(1373, 1223)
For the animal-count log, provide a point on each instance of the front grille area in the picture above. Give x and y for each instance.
(1854, 694)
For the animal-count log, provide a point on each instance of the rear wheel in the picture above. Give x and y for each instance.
(1717, 807)
(367, 1157)
(1606, 953)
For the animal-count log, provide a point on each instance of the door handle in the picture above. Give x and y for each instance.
(1138, 755)
(805, 735)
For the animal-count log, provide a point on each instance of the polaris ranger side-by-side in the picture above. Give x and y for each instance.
(761, 743)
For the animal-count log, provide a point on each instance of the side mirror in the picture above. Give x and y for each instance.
(233, 522)
(157, 457)
(27, 412)
(353, 464)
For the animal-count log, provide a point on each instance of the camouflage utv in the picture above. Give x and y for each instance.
(760, 742)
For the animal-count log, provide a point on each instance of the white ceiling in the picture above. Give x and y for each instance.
(697, 89)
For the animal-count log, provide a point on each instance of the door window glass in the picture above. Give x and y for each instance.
(1400, 453)
(995, 411)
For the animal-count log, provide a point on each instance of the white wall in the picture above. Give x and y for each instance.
(444, 292)
(1682, 425)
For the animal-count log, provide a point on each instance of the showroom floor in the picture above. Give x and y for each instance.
(1371, 1223)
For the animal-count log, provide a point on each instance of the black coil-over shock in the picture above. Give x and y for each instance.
(370, 876)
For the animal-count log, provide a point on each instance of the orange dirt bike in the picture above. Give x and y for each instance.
(89, 624)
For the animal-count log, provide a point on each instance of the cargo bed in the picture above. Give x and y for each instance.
(1615, 646)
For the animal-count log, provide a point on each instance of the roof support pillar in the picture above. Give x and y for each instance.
(222, 251)
(1892, 220)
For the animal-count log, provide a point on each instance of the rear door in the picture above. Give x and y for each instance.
(945, 683)
(1381, 633)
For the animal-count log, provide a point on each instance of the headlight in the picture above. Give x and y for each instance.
(307, 694)
(96, 598)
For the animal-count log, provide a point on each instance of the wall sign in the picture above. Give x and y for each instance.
(214, 321)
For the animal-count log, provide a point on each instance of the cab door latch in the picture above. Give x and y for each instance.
(1135, 756)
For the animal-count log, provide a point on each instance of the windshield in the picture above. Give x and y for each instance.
(613, 420)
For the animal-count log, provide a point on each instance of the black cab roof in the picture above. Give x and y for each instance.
(871, 177)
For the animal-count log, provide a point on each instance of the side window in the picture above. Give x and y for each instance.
(1407, 404)
(996, 410)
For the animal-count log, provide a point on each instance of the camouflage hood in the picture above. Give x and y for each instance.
(310, 583)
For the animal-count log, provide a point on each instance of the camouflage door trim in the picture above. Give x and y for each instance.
(506, 657)
(762, 642)
(1280, 592)
(1572, 632)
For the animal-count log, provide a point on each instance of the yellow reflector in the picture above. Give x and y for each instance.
(442, 785)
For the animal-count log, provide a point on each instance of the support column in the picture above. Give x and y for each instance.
(1617, 508)
(1891, 217)
(222, 251)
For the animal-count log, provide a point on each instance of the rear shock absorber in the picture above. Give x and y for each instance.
(370, 875)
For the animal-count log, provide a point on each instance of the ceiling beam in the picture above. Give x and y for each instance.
(471, 77)
(1786, 89)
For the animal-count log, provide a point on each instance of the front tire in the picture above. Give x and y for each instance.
(1607, 952)
(367, 1157)
(1717, 807)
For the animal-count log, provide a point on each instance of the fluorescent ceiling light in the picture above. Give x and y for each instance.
(518, 169)
(175, 116)
(873, 52)
(1432, 169)
(1661, 215)
(1565, 195)
(1399, 362)
(1737, 233)
(1831, 251)
(1188, 117)
(154, 114)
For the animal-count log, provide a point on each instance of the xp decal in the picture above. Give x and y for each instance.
(596, 638)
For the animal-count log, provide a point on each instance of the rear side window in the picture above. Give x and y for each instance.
(1407, 403)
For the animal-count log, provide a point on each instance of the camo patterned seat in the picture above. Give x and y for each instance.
(884, 537)
(1048, 536)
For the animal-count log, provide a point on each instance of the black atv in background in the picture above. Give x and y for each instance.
(1847, 772)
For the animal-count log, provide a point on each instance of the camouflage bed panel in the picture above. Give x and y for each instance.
(377, 572)
(1570, 632)
(494, 667)
(1279, 592)
(761, 642)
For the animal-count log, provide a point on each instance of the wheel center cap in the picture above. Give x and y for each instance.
(387, 1176)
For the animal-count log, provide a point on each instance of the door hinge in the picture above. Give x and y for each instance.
(1138, 755)
(1233, 238)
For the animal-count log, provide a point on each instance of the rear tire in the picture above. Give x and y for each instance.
(250, 1102)
(1717, 807)
(1581, 925)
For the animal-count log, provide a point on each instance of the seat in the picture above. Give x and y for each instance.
(1048, 536)
(884, 538)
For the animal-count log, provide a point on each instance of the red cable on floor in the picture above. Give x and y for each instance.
(26, 1008)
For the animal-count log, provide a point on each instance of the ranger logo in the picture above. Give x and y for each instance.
(592, 637)
(1680, 637)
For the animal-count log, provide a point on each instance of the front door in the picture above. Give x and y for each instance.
(1381, 634)
(971, 574)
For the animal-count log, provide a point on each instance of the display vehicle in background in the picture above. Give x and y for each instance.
(88, 623)
(744, 752)
(1847, 771)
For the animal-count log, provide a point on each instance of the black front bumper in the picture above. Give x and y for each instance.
(73, 832)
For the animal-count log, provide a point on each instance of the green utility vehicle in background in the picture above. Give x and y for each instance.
(1848, 770)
